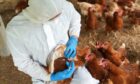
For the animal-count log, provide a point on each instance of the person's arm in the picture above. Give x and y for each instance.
(74, 32)
(75, 22)
(24, 62)
(22, 58)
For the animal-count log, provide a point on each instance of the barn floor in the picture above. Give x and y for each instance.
(129, 35)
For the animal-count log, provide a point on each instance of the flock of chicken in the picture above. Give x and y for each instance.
(111, 11)
(104, 63)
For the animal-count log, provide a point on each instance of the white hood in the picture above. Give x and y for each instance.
(41, 11)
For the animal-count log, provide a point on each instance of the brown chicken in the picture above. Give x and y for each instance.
(60, 61)
(100, 6)
(99, 9)
(109, 23)
(114, 22)
(83, 7)
(58, 58)
(120, 75)
(129, 67)
(101, 2)
(123, 3)
(22, 4)
(115, 56)
(91, 19)
(135, 17)
(112, 7)
(117, 21)
(92, 65)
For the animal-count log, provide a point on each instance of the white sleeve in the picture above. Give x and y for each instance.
(75, 23)
(22, 59)
(82, 76)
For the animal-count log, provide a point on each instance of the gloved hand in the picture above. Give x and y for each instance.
(64, 74)
(71, 45)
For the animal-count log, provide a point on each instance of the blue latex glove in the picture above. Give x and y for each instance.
(71, 45)
(64, 74)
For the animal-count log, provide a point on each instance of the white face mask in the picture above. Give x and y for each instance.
(41, 11)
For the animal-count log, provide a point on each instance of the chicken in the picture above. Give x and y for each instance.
(57, 57)
(91, 19)
(119, 75)
(129, 67)
(112, 7)
(101, 5)
(62, 64)
(92, 65)
(114, 22)
(115, 56)
(117, 21)
(109, 23)
(129, 5)
(135, 17)
(99, 9)
(83, 6)
(136, 5)
(123, 3)
(22, 4)
(81, 53)
(58, 61)
(101, 2)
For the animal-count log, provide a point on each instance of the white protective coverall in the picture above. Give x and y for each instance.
(32, 36)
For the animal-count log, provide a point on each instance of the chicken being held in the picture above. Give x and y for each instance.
(57, 62)
(57, 57)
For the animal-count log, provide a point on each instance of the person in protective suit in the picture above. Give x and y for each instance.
(36, 31)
